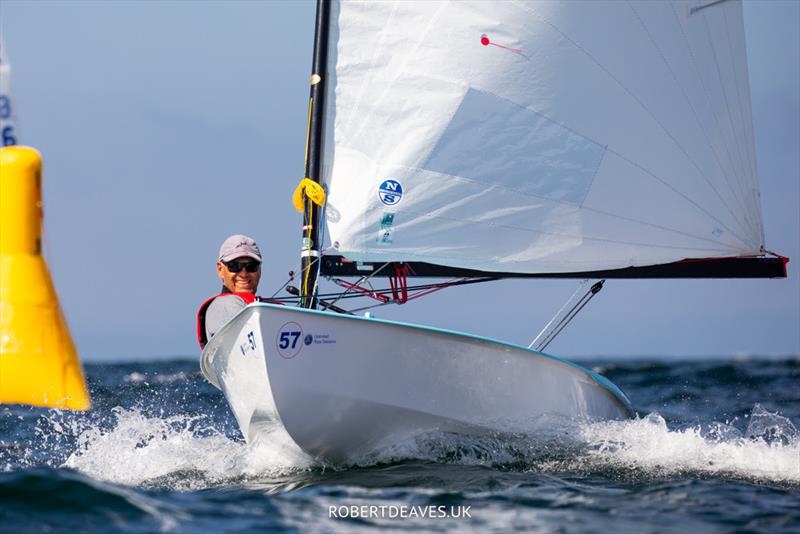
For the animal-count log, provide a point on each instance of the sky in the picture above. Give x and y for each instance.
(166, 126)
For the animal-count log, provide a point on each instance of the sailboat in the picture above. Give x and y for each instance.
(475, 141)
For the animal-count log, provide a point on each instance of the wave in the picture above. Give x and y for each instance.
(48, 498)
(185, 453)
(177, 452)
(768, 450)
(145, 448)
(638, 449)
(157, 378)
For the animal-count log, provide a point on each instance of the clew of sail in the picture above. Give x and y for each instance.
(540, 137)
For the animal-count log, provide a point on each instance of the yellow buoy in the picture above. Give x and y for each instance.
(38, 361)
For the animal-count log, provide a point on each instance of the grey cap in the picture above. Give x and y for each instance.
(237, 246)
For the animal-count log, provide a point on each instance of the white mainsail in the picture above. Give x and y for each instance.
(540, 136)
(8, 135)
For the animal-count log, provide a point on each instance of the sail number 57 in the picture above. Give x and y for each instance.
(288, 340)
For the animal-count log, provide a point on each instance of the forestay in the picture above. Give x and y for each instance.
(540, 136)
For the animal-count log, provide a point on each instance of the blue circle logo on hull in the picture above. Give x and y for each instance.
(390, 192)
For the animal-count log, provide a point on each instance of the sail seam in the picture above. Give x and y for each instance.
(594, 175)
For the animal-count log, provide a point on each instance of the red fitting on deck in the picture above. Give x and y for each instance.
(399, 283)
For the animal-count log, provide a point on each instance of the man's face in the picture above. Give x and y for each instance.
(243, 281)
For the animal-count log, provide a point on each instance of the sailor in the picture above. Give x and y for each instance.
(239, 268)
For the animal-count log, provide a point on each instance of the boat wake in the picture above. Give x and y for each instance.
(181, 452)
(767, 450)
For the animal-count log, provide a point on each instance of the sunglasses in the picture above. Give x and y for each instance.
(236, 266)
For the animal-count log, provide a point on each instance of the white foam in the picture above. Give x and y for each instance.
(186, 452)
(137, 377)
(768, 450)
(180, 452)
(647, 444)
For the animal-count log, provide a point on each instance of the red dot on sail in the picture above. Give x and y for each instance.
(484, 40)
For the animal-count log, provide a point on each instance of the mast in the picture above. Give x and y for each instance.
(309, 256)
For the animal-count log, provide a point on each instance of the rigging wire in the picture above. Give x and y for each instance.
(387, 291)
(289, 281)
(559, 312)
(360, 281)
(570, 315)
(421, 290)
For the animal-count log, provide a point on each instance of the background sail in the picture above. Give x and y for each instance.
(8, 134)
(540, 136)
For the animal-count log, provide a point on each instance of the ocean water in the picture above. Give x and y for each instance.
(715, 448)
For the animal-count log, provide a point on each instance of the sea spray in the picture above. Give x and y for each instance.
(132, 447)
(768, 450)
(176, 452)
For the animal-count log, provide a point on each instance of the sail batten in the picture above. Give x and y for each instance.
(535, 137)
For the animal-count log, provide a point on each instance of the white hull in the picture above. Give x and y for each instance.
(343, 386)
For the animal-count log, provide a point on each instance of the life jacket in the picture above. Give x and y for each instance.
(248, 298)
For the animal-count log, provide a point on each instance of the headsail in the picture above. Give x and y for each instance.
(540, 137)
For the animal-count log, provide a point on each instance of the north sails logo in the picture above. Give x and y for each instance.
(390, 192)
